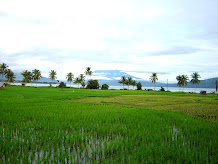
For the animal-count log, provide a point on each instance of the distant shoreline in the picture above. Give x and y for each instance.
(172, 89)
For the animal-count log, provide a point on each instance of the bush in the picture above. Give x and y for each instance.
(92, 84)
(62, 85)
(104, 86)
(139, 86)
(162, 89)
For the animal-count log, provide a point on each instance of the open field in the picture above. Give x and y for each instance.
(96, 126)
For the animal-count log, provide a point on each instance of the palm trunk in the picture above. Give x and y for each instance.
(123, 86)
(70, 84)
(195, 88)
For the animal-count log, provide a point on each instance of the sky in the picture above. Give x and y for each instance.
(169, 37)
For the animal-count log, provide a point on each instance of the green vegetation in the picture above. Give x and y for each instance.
(154, 78)
(105, 86)
(51, 125)
(93, 84)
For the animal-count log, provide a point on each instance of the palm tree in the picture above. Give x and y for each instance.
(154, 78)
(184, 80)
(36, 75)
(179, 79)
(81, 78)
(10, 76)
(134, 83)
(122, 81)
(77, 81)
(83, 84)
(88, 72)
(3, 68)
(70, 77)
(27, 76)
(128, 81)
(52, 75)
(194, 79)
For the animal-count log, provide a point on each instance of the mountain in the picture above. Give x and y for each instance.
(208, 83)
(112, 74)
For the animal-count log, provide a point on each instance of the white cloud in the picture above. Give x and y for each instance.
(69, 35)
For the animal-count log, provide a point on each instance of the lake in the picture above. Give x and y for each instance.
(172, 89)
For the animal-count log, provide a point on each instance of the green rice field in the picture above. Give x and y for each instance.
(51, 125)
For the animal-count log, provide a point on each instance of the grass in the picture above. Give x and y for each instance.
(51, 125)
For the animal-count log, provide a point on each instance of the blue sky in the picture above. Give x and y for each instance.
(170, 37)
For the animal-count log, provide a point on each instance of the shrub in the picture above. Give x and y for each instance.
(162, 89)
(139, 86)
(62, 85)
(104, 86)
(92, 84)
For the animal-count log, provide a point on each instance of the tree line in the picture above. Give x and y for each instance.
(182, 80)
(35, 75)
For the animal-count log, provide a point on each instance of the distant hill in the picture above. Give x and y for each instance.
(208, 83)
(112, 74)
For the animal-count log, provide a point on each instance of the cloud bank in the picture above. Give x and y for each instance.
(164, 36)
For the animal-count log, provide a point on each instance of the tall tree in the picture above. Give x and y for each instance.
(88, 72)
(134, 83)
(128, 81)
(52, 75)
(122, 81)
(154, 78)
(184, 81)
(27, 76)
(195, 79)
(70, 77)
(81, 79)
(36, 75)
(77, 81)
(3, 69)
(179, 83)
(10, 76)
(83, 84)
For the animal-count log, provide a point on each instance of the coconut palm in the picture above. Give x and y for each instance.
(128, 81)
(179, 83)
(195, 79)
(10, 76)
(88, 72)
(27, 76)
(134, 83)
(184, 80)
(83, 84)
(36, 75)
(81, 78)
(70, 77)
(122, 81)
(77, 81)
(3, 68)
(154, 78)
(52, 75)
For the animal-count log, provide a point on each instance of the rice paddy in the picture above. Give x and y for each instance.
(50, 125)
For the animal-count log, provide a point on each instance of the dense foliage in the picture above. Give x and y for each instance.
(139, 86)
(105, 86)
(93, 84)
